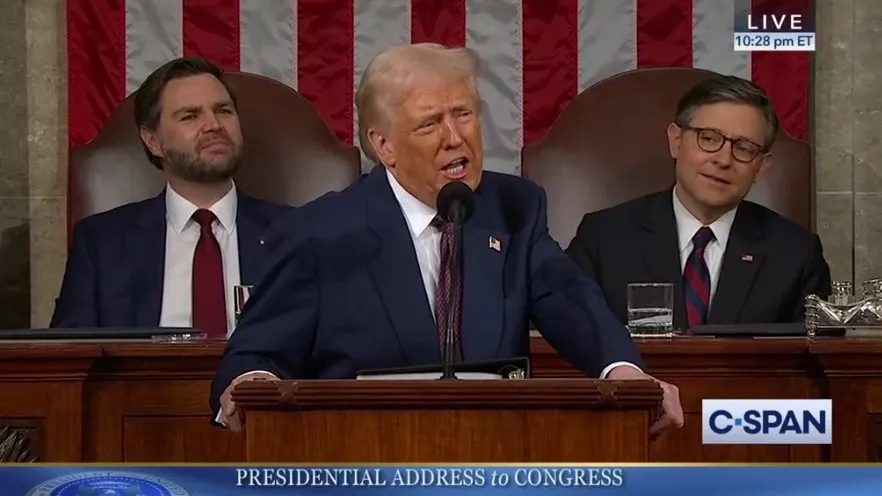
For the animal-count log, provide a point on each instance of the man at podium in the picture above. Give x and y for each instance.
(368, 279)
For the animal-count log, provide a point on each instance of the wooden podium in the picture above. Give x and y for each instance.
(435, 421)
(129, 402)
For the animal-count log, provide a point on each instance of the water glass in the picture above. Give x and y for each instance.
(651, 310)
(241, 293)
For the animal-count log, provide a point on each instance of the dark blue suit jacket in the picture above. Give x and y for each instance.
(116, 264)
(344, 291)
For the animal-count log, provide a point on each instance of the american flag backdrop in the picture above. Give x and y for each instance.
(536, 54)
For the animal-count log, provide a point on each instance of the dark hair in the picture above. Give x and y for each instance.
(149, 95)
(729, 89)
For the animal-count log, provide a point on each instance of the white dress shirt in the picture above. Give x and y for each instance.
(688, 225)
(426, 239)
(182, 234)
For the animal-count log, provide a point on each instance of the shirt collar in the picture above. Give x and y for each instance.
(418, 214)
(180, 211)
(688, 225)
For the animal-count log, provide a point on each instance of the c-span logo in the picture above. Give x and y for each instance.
(767, 421)
(107, 484)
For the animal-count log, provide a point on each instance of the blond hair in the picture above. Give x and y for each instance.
(380, 89)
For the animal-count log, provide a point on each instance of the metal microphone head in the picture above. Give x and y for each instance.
(456, 202)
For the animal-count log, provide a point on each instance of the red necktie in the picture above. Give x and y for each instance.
(209, 296)
(696, 279)
(444, 310)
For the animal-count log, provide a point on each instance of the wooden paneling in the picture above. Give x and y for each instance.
(148, 402)
(177, 439)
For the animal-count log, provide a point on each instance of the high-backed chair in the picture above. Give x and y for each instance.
(610, 146)
(290, 155)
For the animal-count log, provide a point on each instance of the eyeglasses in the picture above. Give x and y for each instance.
(712, 141)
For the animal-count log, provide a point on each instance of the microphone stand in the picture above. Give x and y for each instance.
(455, 296)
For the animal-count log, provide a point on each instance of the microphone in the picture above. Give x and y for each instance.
(455, 204)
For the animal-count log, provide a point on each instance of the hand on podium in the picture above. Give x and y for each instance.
(230, 416)
(672, 410)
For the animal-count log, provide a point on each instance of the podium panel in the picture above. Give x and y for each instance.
(435, 421)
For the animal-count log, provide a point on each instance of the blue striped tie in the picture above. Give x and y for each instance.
(696, 279)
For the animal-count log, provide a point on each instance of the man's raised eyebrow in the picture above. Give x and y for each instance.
(195, 108)
(186, 110)
(735, 137)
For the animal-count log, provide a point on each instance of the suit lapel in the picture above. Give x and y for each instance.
(396, 273)
(484, 250)
(661, 249)
(741, 262)
(250, 224)
(145, 246)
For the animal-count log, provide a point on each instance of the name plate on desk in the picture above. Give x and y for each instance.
(93, 334)
(777, 330)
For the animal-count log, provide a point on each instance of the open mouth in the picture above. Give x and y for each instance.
(456, 169)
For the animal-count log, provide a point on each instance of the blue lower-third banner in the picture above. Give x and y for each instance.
(45, 480)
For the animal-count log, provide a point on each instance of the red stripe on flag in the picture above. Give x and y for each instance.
(550, 63)
(438, 21)
(785, 75)
(325, 60)
(211, 30)
(96, 69)
(96, 65)
(664, 33)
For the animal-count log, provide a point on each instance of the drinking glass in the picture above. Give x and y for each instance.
(651, 310)
(241, 293)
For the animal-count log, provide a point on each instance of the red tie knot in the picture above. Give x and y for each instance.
(441, 224)
(204, 218)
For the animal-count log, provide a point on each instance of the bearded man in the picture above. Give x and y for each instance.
(173, 260)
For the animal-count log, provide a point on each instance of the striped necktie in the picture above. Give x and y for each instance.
(446, 310)
(696, 279)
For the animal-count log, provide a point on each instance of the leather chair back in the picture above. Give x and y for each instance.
(290, 155)
(610, 146)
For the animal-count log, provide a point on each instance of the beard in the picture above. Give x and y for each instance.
(190, 166)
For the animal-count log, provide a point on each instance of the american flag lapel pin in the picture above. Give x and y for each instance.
(747, 258)
(495, 244)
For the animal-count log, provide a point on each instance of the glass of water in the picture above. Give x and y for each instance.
(241, 293)
(651, 310)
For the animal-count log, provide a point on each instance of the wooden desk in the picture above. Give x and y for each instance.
(149, 403)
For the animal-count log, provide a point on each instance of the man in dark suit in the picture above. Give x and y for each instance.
(360, 279)
(730, 260)
(173, 260)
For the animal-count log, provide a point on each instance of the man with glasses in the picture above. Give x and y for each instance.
(729, 260)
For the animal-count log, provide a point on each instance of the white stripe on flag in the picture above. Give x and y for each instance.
(607, 39)
(153, 37)
(493, 30)
(268, 39)
(379, 24)
(712, 31)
